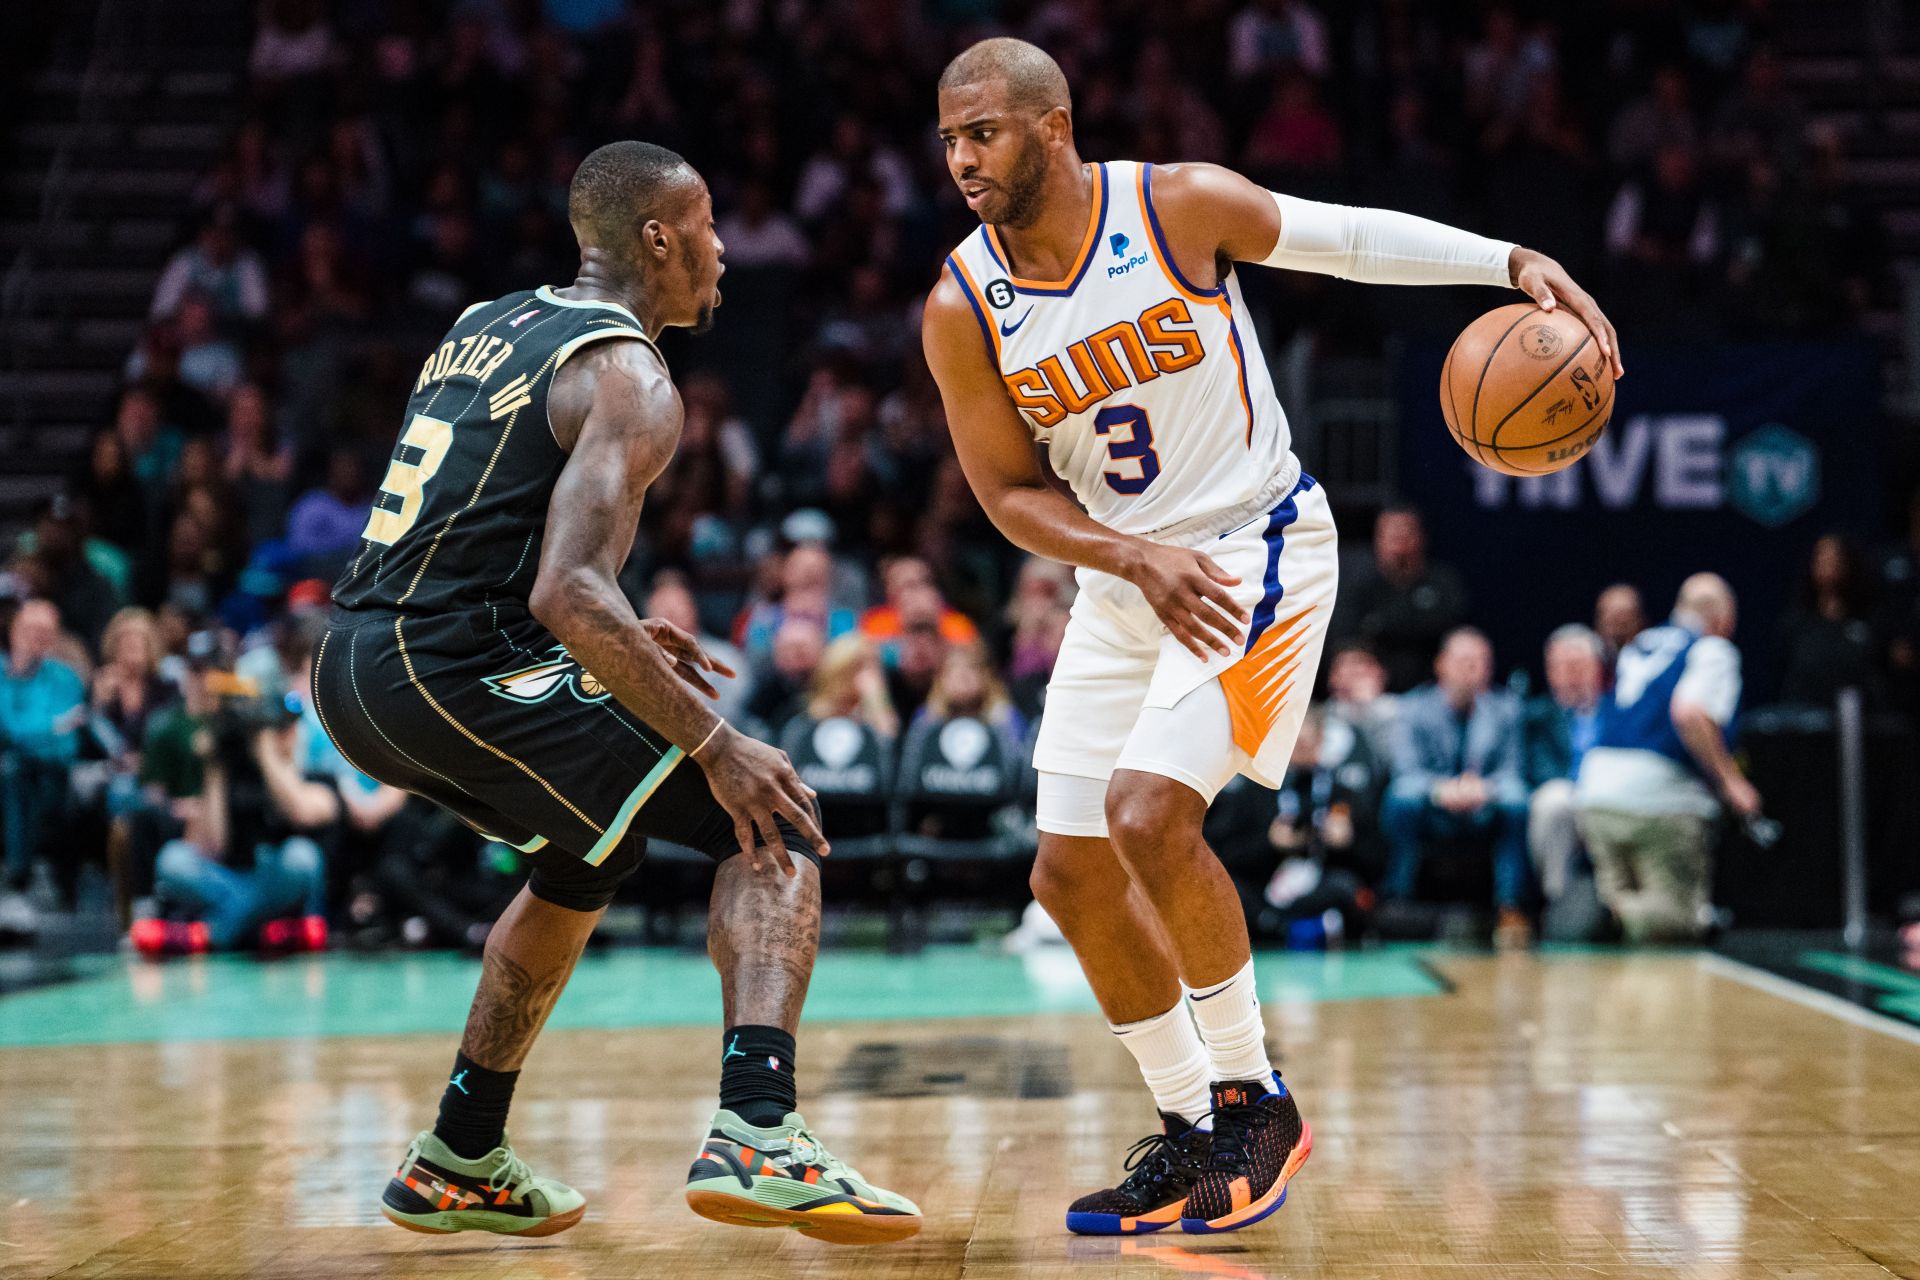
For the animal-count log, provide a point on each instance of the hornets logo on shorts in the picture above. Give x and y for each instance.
(544, 679)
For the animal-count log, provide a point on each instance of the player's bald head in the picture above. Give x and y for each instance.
(621, 187)
(1033, 79)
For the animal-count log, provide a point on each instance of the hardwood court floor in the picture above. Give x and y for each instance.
(1551, 1117)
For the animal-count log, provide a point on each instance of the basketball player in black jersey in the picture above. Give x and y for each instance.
(482, 654)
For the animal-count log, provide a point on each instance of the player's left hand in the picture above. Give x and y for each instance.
(1547, 283)
(688, 658)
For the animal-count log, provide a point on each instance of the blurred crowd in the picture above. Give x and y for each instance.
(395, 161)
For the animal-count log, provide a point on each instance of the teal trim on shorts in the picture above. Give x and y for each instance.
(617, 829)
(534, 845)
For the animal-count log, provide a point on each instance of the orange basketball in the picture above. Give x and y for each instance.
(1526, 391)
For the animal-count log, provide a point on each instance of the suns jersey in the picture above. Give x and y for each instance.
(462, 510)
(1151, 395)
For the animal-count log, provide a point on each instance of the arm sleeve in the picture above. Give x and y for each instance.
(1382, 246)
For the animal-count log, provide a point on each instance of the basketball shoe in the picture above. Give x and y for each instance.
(783, 1177)
(436, 1191)
(1259, 1143)
(1162, 1169)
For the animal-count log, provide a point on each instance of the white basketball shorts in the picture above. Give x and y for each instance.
(1126, 695)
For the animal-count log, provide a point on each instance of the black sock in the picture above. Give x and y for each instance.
(473, 1110)
(756, 1074)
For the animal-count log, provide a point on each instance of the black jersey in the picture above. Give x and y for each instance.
(460, 516)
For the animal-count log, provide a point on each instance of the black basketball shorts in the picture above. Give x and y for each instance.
(489, 716)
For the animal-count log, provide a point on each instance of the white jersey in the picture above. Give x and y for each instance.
(1151, 395)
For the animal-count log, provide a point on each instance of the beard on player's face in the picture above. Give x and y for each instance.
(1018, 200)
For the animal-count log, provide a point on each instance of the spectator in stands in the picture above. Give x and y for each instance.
(1296, 136)
(1647, 787)
(1305, 857)
(850, 682)
(1618, 616)
(325, 524)
(915, 657)
(256, 466)
(293, 42)
(901, 576)
(805, 589)
(1271, 37)
(1457, 780)
(152, 445)
(1663, 231)
(218, 266)
(85, 598)
(1560, 726)
(116, 505)
(967, 685)
(1760, 119)
(1401, 604)
(202, 359)
(128, 692)
(1663, 114)
(758, 234)
(1827, 640)
(852, 154)
(671, 600)
(42, 707)
(781, 692)
(1357, 696)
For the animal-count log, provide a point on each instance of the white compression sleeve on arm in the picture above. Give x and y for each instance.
(1380, 246)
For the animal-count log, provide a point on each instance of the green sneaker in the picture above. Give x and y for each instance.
(784, 1177)
(436, 1191)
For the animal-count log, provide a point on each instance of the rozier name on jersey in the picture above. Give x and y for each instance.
(1163, 339)
(476, 356)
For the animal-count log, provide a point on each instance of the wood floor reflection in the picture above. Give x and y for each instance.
(1561, 1116)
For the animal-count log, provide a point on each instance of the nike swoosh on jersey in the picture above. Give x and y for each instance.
(1006, 330)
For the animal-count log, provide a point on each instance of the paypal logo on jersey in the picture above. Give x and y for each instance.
(1118, 242)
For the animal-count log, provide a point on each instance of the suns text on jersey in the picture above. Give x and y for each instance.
(1162, 340)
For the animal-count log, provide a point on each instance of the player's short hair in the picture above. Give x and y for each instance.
(1034, 80)
(622, 186)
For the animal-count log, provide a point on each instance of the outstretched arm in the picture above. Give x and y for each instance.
(616, 412)
(1186, 588)
(1215, 216)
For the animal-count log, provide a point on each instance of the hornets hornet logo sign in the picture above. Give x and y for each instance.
(544, 679)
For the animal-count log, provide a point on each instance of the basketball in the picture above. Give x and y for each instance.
(1526, 391)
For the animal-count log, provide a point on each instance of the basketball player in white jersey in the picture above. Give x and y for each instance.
(1096, 314)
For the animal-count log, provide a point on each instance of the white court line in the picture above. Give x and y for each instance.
(1808, 997)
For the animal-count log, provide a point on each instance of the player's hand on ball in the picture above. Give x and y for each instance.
(1547, 283)
(688, 658)
(755, 784)
(1188, 591)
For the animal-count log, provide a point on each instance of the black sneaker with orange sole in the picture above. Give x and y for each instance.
(1161, 1170)
(1259, 1143)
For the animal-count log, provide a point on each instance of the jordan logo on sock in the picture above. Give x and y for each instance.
(456, 1082)
(733, 1050)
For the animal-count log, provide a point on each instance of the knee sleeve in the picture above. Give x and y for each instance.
(1070, 805)
(575, 884)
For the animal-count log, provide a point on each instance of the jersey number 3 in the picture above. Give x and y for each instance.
(407, 481)
(1130, 445)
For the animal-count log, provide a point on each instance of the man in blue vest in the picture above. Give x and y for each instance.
(1652, 785)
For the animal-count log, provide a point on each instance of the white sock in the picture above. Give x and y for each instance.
(1172, 1059)
(1228, 1014)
